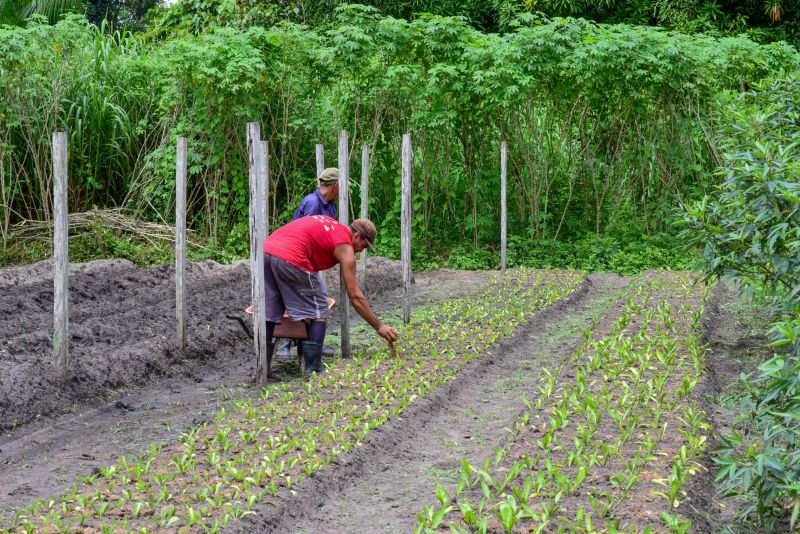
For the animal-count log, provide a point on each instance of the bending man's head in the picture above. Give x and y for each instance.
(364, 234)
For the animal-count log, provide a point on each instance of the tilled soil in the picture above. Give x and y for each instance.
(136, 389)
(384, 484)
(122, 331)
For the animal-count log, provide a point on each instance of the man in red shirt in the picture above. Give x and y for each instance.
(293, 254)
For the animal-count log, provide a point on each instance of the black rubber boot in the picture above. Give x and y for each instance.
(271, 375)
(312, 353)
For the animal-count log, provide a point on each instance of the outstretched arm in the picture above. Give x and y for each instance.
(347, 263)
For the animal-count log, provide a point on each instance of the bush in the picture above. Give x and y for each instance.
(750, 232)
(590, 253)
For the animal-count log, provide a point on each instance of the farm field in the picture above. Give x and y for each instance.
(519, 401)
(587, 299)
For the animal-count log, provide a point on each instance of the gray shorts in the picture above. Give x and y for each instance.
(291, 289)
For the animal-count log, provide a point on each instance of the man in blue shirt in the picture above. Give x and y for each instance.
(320, 202)
(323, 200)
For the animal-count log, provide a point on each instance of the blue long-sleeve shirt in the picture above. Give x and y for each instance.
(315, 204)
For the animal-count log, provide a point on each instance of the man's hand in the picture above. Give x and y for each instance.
(387, 332)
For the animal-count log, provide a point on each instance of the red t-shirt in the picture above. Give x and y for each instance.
(309, 242)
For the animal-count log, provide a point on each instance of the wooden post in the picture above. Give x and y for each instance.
(180, 243)
(362, 264)
(265, 189)
(60, 252)
(503, 205)
(256, 254)
(344, 218)
(405, 227)
(320, 159)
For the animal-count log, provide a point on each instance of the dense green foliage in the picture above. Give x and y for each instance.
(762, 20)
(750, 231)
(605, 124)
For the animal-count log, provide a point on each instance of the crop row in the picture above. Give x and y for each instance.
(262, 447)
(613, 434)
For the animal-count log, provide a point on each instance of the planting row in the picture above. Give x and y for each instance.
(262, 447)
(613, 433)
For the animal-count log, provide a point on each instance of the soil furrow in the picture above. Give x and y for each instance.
(385, 483)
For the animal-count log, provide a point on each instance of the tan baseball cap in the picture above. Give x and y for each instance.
(367, 231)
(329, 176)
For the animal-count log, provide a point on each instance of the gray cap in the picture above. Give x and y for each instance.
(329, 176)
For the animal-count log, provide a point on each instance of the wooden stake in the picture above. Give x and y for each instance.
(344, 218)
(362, 264)
(180, 243)
(503, 205)
(256, 254)
(60, 252)
(405, 227)
(320, 159)
(265, 188)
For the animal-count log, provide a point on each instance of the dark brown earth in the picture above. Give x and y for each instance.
(135, 388)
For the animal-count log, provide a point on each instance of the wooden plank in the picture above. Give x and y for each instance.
(405, 227)
(180, 243)
(256, 255)
(503, 205)
(259, 307)
(320, 159)
(265, 188)
(362, 264)
(344, 218)
(60, 252)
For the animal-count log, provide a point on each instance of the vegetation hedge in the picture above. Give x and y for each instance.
(749, 229)
(606, 125)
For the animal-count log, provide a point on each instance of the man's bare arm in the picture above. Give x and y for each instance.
(347, 263)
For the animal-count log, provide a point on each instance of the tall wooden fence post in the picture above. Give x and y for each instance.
(180, 243)
(405, 227)
(256, 254)
(344, 218)
(362, 264)
(320, 159)
(503, 205)
(60, 252)
(265, 189)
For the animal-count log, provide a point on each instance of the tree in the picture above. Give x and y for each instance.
(119, 14)
(16, 12)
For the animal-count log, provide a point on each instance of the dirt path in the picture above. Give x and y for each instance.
(385, 483)
(736, 336)
(44, 457)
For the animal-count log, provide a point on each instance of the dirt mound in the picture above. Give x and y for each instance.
(383, 275)
(122, 328)
(43, 271)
